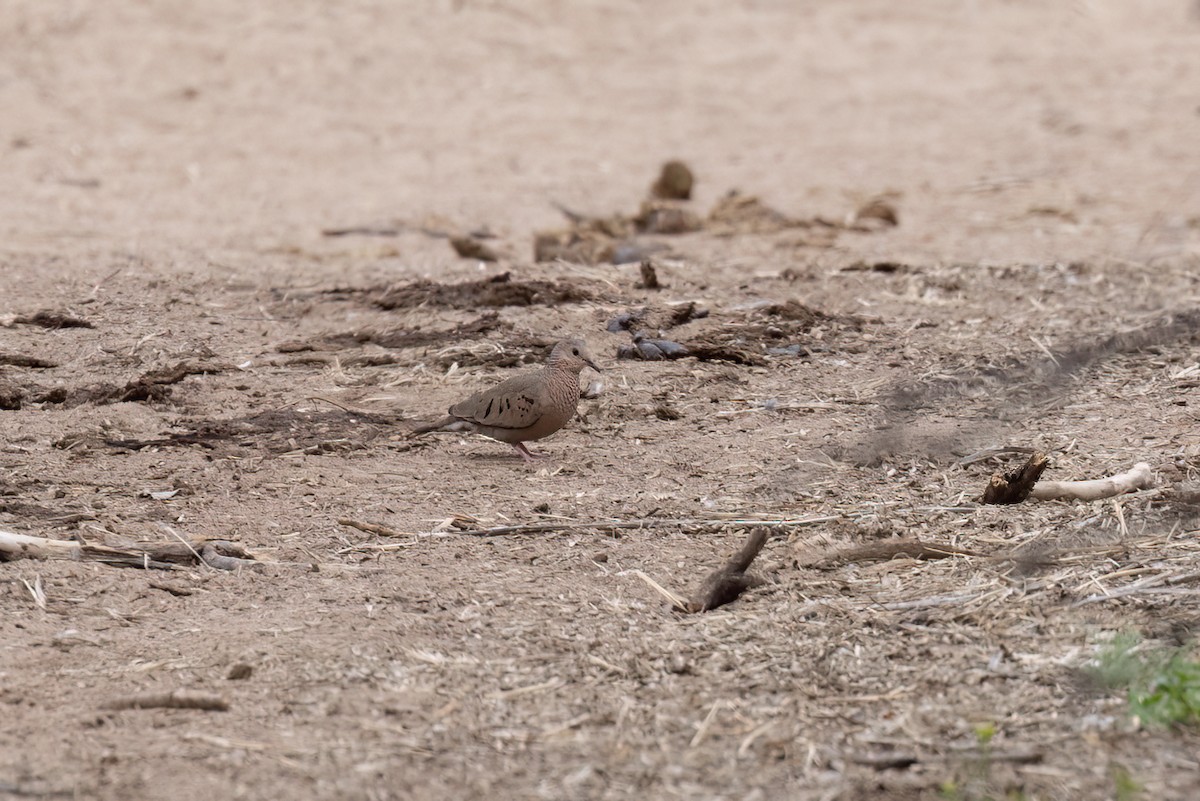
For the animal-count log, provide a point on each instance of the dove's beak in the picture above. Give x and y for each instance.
(592, 365)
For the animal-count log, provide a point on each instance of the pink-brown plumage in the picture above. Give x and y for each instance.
(525, 407)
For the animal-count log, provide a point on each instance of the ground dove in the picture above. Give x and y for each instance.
(525, 407)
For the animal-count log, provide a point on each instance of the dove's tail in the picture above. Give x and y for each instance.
(425, 428)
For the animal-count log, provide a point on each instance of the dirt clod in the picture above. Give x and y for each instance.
(52, 319)
(499, 290)
(674, 182)
(470, 247)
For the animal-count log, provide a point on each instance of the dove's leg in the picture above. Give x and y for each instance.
(527, 454)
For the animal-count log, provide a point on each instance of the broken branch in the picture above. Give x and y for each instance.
(1140, 476)
(1015, 486)
(725, 584)
(176, 699)
(161, 555)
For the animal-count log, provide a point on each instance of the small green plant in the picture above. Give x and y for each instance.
(952, 791)
(1118, 664)
(1125, 787)
(1163, 684)
(984, 732)
(975, 782)
(1170, 694)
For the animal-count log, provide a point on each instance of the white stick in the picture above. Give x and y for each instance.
(1140, 477)
(22, 546)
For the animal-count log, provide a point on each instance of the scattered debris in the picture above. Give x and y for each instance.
(742, 342)
(162, 555)
(796, 311)
(596, 240)
(278, 431)
(407, 337)
(21, 360)
(153, 385)
(11, 396)
(652, 350)
(666, 217)
(47, 319)
(884, 550)
(736, 213)
(665, 411)
(499, 290)
(574, 246)
(513, 351)
(658, 318)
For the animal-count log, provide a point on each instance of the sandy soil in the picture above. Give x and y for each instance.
(168, 170)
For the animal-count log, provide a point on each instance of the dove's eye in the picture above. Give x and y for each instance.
(575, 351)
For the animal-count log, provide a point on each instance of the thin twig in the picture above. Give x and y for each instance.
(678, 601)
(706, 724)
(988, 453)
(370, 528)
(186, 544)
(648, 523)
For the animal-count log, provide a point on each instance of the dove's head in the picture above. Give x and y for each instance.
(573, 355)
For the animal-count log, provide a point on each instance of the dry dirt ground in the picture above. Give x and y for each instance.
(168, 170)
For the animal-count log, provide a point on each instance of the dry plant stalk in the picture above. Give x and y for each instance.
(647, 523)
(884, 550)
(370, 528)
(1137, 478)
(679, 603)
(726, 583)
